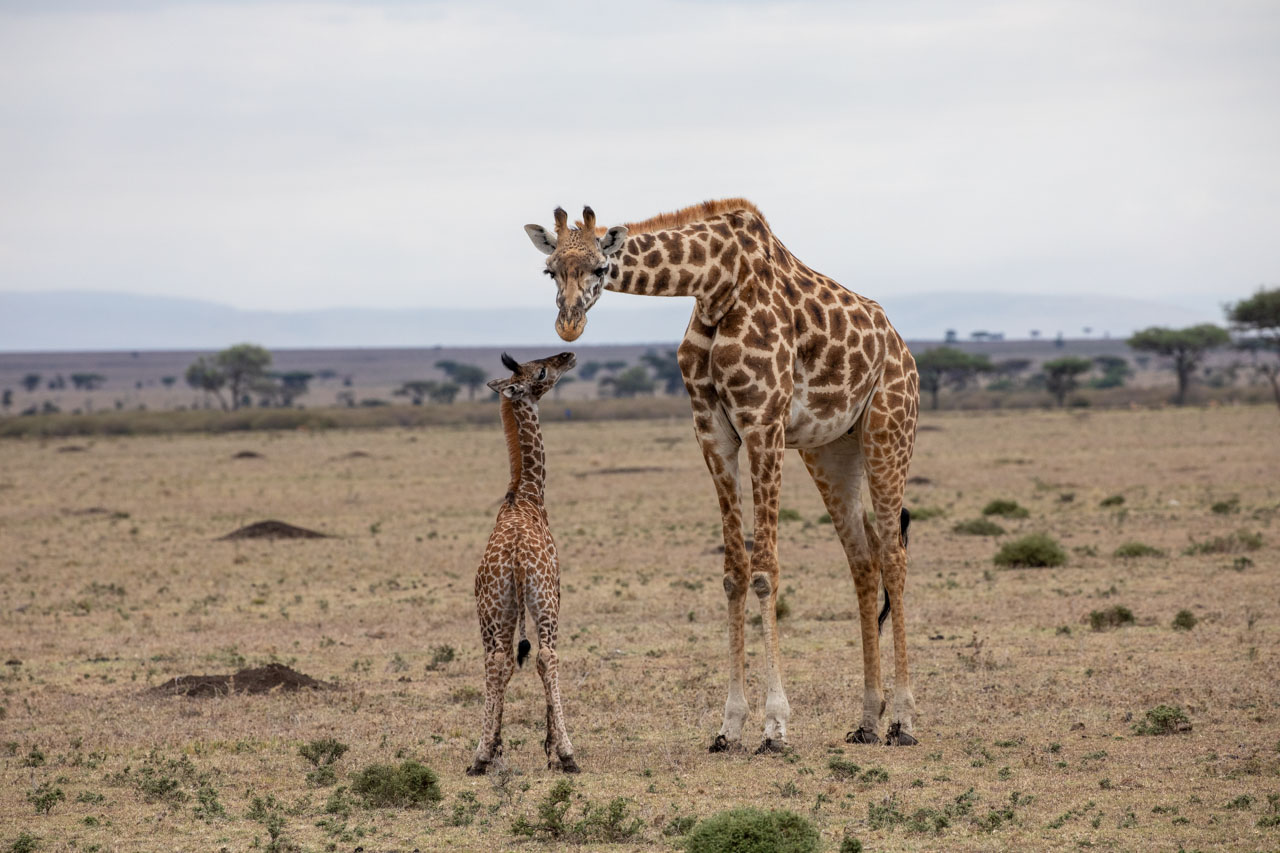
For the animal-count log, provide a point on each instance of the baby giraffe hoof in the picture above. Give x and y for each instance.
(895, 736)
(862, 735)
(720, 744)
(478, 768)
(568, 765)
(769, 745)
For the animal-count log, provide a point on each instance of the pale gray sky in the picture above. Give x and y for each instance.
(289, 155)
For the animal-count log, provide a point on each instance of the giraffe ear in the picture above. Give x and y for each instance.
(544, 241)
(498, 384)
(611, 242)
(514, 391)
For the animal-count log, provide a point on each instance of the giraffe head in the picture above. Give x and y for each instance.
(532, 379)
(578, 262)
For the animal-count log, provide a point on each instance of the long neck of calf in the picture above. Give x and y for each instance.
(524, 447)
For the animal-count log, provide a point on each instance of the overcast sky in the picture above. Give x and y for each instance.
(289, 155)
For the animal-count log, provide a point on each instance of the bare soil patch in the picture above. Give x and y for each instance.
(248, 454)
(272, 529)
(262, 679)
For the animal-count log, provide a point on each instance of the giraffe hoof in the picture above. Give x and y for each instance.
(895, 736)
(478, 769)
(568, 765)
(862, 736)
(722, 744)
(769, 745)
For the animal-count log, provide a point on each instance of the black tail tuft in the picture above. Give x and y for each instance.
(522, 652)
(904, 521)
(884, 614)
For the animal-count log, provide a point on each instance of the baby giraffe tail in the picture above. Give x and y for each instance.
(522, 650)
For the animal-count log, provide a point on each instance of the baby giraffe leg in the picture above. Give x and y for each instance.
(557, 745)
(498, 666)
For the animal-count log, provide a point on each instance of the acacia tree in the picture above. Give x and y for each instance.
(243, 365)
(1258, 317)
(465, 375)
(947, 366)
(1187, 347)
(31, 381)
(204, 375)
(1060, 375)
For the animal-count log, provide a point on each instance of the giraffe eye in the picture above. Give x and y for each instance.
(542, 374)
(599, 273)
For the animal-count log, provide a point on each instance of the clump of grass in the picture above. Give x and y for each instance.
(609, 823)
(1273, 819)
(749, 830)
(1234, 543)
(1113, 617)
(979, 527)
(1037, 550)
(409, 784)
(924, 513)
(1133, 550)
(1163, 720)
(825, 518)
(1113, 500)
(441, 655)
(464, 810)
(28, 843)
(788, 514)
(1005, 509)
(843, 768)
(1226, 507)
(207, 806)
(322, 754)
(679, 825)
(1184, 621)
(1244, 802)
(45, 797)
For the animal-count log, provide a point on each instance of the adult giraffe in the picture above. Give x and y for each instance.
(775, 356)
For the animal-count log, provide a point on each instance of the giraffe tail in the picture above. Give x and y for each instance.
(522, 650)
(904, 521)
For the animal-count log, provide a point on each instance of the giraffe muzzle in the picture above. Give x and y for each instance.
(570, 324)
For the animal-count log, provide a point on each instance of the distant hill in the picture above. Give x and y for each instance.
(83, 320)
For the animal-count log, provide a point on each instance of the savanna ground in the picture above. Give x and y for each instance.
(113, 583)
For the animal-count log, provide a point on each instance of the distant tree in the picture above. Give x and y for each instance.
(87, 381)
(242, 365)
(326, 373)
(1060, 375)
(1035, 334)
(416, 390)
(1258, 318)
(204, 375)
(951, 336)
(589, 370)
(57, 383)
(444, 392)
(1059, 341)
(1115, 370)
(470, 377)
(948, 367)
(667, 370)
(562, 382)
(31, 382)
(630, 382)
(615, 365)
(1011, 367)
(293, 384)
(1187, 347)
(6, 399)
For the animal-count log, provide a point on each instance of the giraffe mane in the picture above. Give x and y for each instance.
(685, 215)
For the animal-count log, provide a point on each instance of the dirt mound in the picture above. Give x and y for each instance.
(248, 454)
(919, 481)
(640, 469)
(271, 529)
(263, 679)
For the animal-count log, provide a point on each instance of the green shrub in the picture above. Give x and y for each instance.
(788, 514)
(843, 768)
(1226, 507)
(1034, 551)
(979, 527)
(749, 830)
(924, 513)
(1184, 621)
(679, 825)
(24, 843)
(1112, 617)
(1005, 509)
(1163, 720)
(1241, 540)
(609, 824)
(409, 784)
(45, 797)
(322, 754)
(1113, 500)
(850, 845)
(1132, 550)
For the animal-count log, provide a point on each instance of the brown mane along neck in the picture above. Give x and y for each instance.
(686, 215)
(511, 428)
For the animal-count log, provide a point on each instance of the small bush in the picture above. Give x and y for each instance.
(843, 768)
(924, 513)
(1226, 507)
(45, 797)
(610, 823)
(409, 784)
(465, 810)
(679, 825)
(850, 845)
(1005, 509)
(1037, 550)
(24, 843)
(1184, 621)
(979, 527)
(749, 830)
(323, 752)
(1163, 720)
(1113, 617)
(1241, 540)
(1113, 500)
(788, 514)
(1133, 550)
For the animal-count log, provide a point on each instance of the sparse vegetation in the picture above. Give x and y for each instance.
(406, 785)
(1113, 500)
(1118, 616)
(979, 527)
(1234, 543)
(1005, 509)
(1184, 621)
(610, 823)
(1037, 550)
(1163, 720)
(1134, 550)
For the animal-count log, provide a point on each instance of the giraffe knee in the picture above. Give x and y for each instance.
(762, 584)
(733, 585)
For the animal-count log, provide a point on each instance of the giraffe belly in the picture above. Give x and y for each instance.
(819, 417)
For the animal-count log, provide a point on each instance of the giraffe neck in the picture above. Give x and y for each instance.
(708, 260)
(524, 449)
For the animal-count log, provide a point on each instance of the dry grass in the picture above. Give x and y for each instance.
(114, 583)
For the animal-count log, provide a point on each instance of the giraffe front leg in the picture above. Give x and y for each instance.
(764, 450)
(558, 748)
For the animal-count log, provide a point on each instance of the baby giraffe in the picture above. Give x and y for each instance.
(519, 570)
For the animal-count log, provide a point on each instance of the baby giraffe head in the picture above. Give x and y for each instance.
(529, 381)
